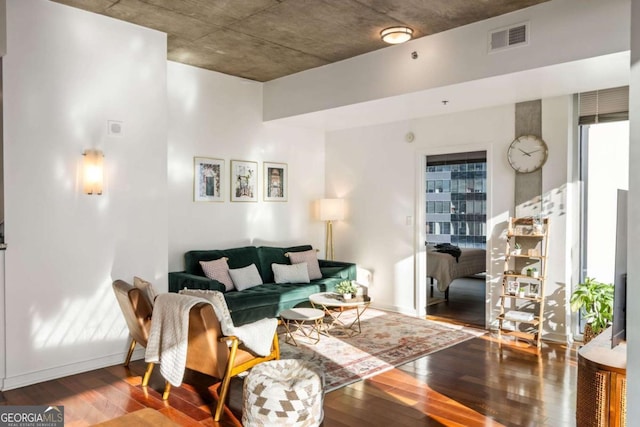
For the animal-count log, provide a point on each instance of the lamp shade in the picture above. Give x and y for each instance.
(331, 209)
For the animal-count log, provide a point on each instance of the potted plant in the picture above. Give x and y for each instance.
(517, 249)
(522, 292)
(346, 288)
(595, 300)
(534, 273)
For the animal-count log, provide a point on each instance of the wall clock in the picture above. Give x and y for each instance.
(527, 153)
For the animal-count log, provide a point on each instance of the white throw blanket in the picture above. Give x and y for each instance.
(168, 337)
(256, 337)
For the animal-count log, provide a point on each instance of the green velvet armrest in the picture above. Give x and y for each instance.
(180, 280)
(344, 270)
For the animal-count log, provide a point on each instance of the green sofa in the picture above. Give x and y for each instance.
(268, 299)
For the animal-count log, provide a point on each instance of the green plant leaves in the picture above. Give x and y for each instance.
(595, 300)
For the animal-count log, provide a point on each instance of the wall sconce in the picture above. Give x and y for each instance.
(330, 210)
(92, 171)
(396, 35)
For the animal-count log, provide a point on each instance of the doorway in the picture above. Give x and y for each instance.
(456, 236)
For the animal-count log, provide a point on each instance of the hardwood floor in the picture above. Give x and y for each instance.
(480, 382)
(466, 304)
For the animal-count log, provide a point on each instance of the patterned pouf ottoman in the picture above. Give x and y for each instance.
(283, 393)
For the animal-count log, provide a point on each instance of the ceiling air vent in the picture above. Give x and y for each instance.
(504, 38)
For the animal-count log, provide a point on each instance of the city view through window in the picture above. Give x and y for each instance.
(456, 198)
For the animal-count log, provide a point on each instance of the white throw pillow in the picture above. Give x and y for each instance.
(246, 277)
(146, 288)
(311, 258)
(294, 273)
(218, 269)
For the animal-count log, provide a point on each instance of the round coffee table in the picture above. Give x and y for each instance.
(298, 317)
(335, 305)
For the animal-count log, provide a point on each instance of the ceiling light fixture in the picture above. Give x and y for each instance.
(396, 35)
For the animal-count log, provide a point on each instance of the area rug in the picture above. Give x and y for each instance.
(387, 340)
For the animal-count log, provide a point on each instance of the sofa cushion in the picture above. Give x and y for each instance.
(245, 277)
(218, 269)
(238, 257)
(311, 258)
(273, 255)
(295, 273)
(269, 300)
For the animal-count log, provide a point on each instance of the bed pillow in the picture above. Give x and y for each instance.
(218, 269)
(294, 273)
(311, 258)
(246, 277)
(146, 288)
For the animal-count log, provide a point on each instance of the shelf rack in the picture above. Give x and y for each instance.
(523, 291)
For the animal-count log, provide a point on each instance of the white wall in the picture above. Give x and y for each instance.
(561, 31)
(66, 73)
(379, 174)
(558, 189)
(633, 285)
(3, 27)
(215, 115)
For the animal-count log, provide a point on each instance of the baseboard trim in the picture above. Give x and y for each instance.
(559, 338)
(396, 309)
(31, 378)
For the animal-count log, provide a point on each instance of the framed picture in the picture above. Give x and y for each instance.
(244, 181)
(208, 174)
(275, 182)
(534, 290)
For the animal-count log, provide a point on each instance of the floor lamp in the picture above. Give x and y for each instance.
(330, 210)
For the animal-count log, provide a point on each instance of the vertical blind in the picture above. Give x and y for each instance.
(607, 105)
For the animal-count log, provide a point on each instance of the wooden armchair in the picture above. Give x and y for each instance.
(216, 355)
(137, 313)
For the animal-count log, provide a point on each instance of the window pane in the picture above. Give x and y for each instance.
(477, 185)
(461, 197)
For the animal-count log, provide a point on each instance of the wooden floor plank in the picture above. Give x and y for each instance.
(480, 382)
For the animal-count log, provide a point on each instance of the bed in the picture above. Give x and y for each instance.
(444, 268)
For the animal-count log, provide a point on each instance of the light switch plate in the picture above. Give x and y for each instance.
(115, 127)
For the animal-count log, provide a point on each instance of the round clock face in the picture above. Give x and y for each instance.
(527, 153)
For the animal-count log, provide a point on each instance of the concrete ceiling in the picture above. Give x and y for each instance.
(263, 40)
